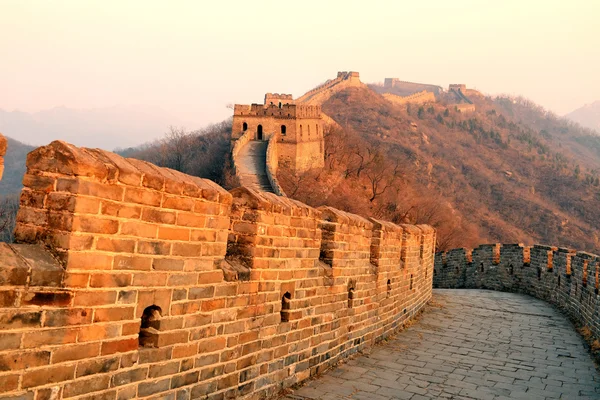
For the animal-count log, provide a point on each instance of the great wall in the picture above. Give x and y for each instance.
(422, 97)
(278, 131)
(133, 281)
(568, 279)
(128, 280)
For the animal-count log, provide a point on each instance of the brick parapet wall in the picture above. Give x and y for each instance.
(561, 276)
(246, 292)
(3, 146)
(272, 165)
(323, 92)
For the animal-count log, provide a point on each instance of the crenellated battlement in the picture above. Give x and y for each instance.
(133, 281)
(285, 111)
(564, 277)
(278, 99)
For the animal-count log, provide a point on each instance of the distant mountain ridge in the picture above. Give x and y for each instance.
(587, 116)
(106, 128)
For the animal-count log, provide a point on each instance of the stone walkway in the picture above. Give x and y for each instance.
(476, 345)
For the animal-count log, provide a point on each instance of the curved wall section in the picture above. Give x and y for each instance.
(566, 278)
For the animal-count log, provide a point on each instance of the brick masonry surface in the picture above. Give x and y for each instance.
(133, 281)
(470, 344)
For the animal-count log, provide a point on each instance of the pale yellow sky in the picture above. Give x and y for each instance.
(193, 57)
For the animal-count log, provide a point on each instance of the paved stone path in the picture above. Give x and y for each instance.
(476, 345)
(252, 162)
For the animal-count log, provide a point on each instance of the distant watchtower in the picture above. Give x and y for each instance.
(297, 129)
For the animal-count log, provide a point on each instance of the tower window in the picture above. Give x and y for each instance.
(244, 127)
(283, 130)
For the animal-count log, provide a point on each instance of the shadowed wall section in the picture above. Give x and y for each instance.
(563, 277)
(133, 281)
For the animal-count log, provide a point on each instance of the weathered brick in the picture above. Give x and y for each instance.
(113, 314)
(45, 376)
(97, 366)
(116, 245)
(49, 337)
(126, 377)
(23, 359)
(119, 346)
(80, 387)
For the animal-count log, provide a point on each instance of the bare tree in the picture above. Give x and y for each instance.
(9, 205)
(381, 176)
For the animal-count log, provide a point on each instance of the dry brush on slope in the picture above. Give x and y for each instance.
(510, 171)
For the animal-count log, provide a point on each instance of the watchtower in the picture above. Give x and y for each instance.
(296, 129)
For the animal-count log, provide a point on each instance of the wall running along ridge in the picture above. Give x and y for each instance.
(568, 279)
(323, 92)
(416, 98)
(241, 294)
(272, 164)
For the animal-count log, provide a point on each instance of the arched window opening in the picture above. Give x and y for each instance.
(389, 287)
(286, 305)
(511, 269)
(283, 130)
(350, 297)
(245, 127)
(149, 330)
(411, 281)
(259, 132)
(539, 273)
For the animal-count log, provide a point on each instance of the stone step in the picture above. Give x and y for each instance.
(252, 166)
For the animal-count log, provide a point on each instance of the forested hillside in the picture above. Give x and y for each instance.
(508, 172)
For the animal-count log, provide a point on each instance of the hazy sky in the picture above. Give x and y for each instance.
(194, 57)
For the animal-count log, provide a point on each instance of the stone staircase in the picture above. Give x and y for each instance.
(252, 166)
